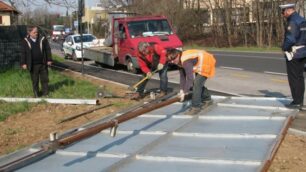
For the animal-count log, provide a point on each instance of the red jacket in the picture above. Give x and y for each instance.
(159, 50)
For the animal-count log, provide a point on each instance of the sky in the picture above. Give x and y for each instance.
(61, 10)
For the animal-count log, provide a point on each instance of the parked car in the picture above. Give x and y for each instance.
(58, 32)
(72, 45)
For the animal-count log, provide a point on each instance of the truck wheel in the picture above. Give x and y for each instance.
(130, 66)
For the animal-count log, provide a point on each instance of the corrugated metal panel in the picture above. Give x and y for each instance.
(234, 134)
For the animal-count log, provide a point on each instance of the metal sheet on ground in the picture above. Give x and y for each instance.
(231, 135)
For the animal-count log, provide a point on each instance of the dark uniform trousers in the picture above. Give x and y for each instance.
(40, 72)
(295, 71)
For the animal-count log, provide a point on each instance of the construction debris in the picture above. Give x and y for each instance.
(53, 101)
(83, 113)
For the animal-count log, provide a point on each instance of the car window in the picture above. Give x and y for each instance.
(59, 28)
(67, 39)
(86, 38)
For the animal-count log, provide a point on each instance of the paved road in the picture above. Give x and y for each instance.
(248, 61)
(254, 62)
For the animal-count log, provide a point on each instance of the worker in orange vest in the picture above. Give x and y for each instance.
(202, 64)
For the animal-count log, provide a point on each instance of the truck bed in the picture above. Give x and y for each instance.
(101, 54)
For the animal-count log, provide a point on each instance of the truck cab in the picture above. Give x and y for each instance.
(124, 35)
(58, 32)
(130, 31)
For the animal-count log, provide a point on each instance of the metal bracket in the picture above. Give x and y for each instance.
(113, 130)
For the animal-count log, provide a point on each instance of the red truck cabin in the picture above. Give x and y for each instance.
(130, 31)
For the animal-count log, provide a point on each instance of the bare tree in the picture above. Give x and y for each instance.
(68, 4)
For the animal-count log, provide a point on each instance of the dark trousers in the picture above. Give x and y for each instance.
(39, 72)
(295, 69)
(163, 80)
(200, 93)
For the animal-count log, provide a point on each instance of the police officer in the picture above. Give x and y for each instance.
(295, 67)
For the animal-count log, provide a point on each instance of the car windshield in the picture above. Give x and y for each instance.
(86, 38)
(58, 28)
(149, 28)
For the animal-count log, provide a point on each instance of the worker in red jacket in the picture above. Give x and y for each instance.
(151, 58)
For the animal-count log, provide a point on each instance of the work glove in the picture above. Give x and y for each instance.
(160, 66)
(181, 95)
(149, 75)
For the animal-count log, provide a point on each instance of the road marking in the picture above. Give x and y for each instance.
(248, 56)
(232, 68)
(240, 75)
(280, 80)
(275, 73)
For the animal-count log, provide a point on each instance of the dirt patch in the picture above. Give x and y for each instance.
(26, 128)
(291, 156)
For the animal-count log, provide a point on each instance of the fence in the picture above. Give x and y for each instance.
(10, 38)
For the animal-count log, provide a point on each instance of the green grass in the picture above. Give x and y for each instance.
(17, 83)
(57, 58)
(243, 49)
(7, 109)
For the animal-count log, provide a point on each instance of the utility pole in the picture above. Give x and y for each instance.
(81, 5)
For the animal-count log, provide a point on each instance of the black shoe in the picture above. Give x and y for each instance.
(36, 95)
(207, 103)
(294, 105)
(136, 96)
(193, 111)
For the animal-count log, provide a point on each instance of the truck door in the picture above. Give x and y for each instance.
(123, 43)
(116, 38)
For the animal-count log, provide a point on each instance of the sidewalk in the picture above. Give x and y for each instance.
(244, 83)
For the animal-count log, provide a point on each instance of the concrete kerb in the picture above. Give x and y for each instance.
(297, 132)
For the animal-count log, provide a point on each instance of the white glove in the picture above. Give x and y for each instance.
(289, 55)
(160, 66)
(149, 75)
(181, 95)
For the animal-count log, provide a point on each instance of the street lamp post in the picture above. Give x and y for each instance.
(80, 14)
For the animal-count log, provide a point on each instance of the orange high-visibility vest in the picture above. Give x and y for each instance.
(206, 62)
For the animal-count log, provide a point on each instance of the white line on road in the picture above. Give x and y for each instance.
(249, 56)
(232, 68)
(275, 73)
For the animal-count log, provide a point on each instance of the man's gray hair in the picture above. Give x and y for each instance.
(142, 46)
(30, 28)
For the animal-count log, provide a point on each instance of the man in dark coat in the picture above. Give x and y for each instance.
(36, 56)
(295, 66)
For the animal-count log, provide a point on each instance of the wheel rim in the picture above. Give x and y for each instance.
(130, 66)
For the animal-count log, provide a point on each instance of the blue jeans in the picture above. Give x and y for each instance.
(200, 93)
(163, 80)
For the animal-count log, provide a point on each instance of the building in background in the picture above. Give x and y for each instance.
(8, 14)
(93, 16)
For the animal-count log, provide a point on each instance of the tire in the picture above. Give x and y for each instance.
(74, 57)
(130, 66)
(65, 55)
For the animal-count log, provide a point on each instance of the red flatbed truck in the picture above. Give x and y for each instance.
(124, 35)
